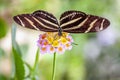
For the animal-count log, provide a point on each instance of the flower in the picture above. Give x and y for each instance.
(50, 42)
(60, 49)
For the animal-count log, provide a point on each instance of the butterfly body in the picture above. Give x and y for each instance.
(60, 31)
(70, 21)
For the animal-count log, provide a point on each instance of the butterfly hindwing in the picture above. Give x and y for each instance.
(39, 20)
(87, 23)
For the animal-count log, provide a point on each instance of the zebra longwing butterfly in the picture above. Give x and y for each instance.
(70, 21)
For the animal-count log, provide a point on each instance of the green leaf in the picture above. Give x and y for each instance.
(19, 66)
(13, 34)
(2, 77)
(4, 28)
(28, 65)
(14, 43)
(2, 52)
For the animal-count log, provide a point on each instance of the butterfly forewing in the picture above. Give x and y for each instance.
(87, 23)
(47, 18)
(39, 20)
(71, 18)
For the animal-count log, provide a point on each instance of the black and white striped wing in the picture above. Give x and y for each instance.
(39, 20)
(79, 22)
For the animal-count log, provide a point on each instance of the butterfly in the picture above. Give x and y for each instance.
(70, 21)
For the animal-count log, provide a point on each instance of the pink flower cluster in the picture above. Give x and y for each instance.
(50, 42)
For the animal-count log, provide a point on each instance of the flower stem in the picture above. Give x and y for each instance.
(54, 63)
(34, 69)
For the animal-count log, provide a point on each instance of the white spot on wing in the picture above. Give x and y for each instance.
(69, 22)
(49, 22)
(32, 24)
(45, 15)
(20, 21)
(43, 24)
(80, 25)
(101, 28)
(91, 25)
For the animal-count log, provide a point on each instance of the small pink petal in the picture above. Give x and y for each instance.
(43, 50)
(42, 36)
(51, 49)
(68, 46)
(38, 43)
(60, 49)
(70, 39)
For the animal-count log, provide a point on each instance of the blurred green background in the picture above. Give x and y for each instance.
(96, 57)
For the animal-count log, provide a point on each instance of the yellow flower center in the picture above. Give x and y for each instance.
(60, 49)
(45, 43)
(43, 36)
(63, 40)
(51, 49)
(43, 48)
(67, 45)
(54, 38)
(55, 43)
(50, 40)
